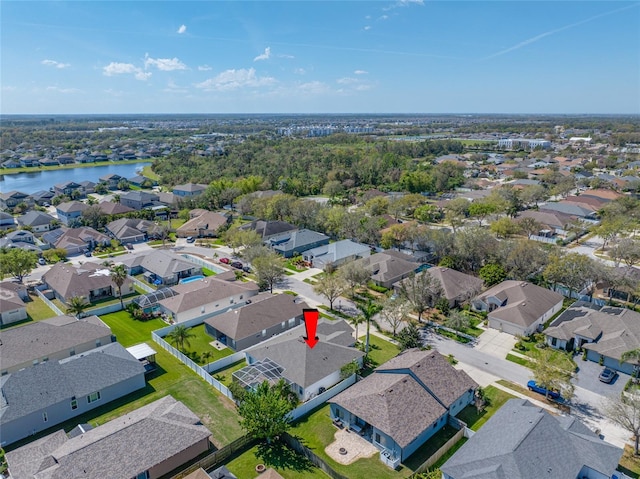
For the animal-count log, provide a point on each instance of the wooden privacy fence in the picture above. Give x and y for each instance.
(300, 448)
(435, 457)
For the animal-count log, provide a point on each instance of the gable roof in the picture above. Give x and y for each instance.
(71, 207)
(79, 237)
(161, 263)
(38, 387)
(338, 250)
(265, 311)
(190, 187)
(43, 338)
(456, 285)
(131, 227)
(139, 440)
(388, 265)
(209, 220)
(523, 302)
(406, 394)
(523, 441)
(294, 240)
(553, 219)
(35, 218)
(204, 291)
(304, 365)
(111, 208)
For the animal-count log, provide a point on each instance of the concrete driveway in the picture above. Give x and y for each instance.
(496, 343)
(587, 378)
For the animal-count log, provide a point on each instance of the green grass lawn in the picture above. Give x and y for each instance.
(130, 331)
(285, 461)
(434, 443)
(380, 352)
(37, 309)
(148, 172)
(518, 360)
(316, 431)
(208, 272)
(200, 344)
(630, 463)
(497, 397)
(225, 375)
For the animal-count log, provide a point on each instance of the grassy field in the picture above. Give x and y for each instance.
(518, 360)
(285, 461)
(130, 331)
(497, 397)
(148, 172)
(13, 171)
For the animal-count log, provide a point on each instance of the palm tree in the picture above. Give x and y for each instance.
(180, 336)
(116, 198)
(76, 306)
(118, 276)
(356, 321)
(368, 310)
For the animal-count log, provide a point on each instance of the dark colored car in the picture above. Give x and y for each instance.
(87, 254)
(246, 269)
(190, 239)
(129, 246)
(237, 264)
(540, 390)
(607, 375)
(224, 260)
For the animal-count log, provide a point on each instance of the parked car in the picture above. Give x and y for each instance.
(190, 239)
(607, 375)
(224, 260)
(129, 246)
(87, 254)
(237, 264)
(540, 390)
(246, 269)
(42, 261)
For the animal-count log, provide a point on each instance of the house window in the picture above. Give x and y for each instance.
(72, 352)
(35, 361)
(45, 418)
(93, 397)
(377, 438)
(241, 296)
(284, 324)
(74, 404)
(98, 343)
(143, 475)
(292, 322)
(264, 332)
(554, 341)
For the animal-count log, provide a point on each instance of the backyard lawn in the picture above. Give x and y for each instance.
(316, 431)
(285, 461)
(130, 331)
(497, 397)
(200, 344)
(225, 375)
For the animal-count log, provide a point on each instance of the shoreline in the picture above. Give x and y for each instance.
(34, 169)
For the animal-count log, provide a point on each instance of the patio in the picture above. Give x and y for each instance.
(354, 445)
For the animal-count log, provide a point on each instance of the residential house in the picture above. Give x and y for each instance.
(604, 332)
(67, 188)
(523, 441)
(138, 199)
(38, 221)
(76, 240)
(263, 316)
(70, 212)
(268, 229)
(51, 339)
(65, 159)
(132, 230)
(139, 180)
(297, 242)
(90, 281)
(42, 197)
(88, 186)
(188, 190)
(112, 209)
(51, 392)
(6, 221)
(29, 161)
(569, 208)
(518, 307)
(205, 225)
(404, 402)
(389, 267)
(336, 254)
(49, 162)
(148, 442)
(11, 164)
(552, 222)
(11, 199)
(162, 267)
(111, 180)
(168, 199)
(308, 371)
(457, 287)
(12, 307)
(22, 239)
(207, 297)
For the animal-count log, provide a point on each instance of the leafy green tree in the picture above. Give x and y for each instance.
(504, 227)
(481, 209)
(265, 412)
(349, 369)
(529, 226)
(553, 370)
(427, 213)
(331, 286)
(492, 273)
(77, 306)
(422, 291)
(457, 320)
(54, 255)
(119, 276)
(17, 262)
(94, 217)
(409, 337)
(355, 275)
(269, 269)
(180, 336)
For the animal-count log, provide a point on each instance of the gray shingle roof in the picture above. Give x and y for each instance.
(9, 299)
(163, 263)
(122, 448)
(38, 387)
(35, 218)
(68, 280)
(387, 266)
(456, 285)
(268, 228)
(296, 240)
(304, 365)
(71, 206)
(43, 338)
(523, 441)
(265, 311)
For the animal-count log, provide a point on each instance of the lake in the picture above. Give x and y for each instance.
(43, 180)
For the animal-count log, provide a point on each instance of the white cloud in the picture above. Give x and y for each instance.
(299, 71)
(53, 63)
(234, 79)
(403, 3)
(384, 17)
(313, 87)
(182, 29)
(115, 68)
(204, 68)
(63, 90)
(360, 72)
(172, 87)
(368, 27)
(263, 56)
(164, 64)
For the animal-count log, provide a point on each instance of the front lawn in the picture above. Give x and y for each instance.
(630, 463)
(130, 331)
(496, 399)
(316, 431)
(380, 351)
(285, 461)
(518, 360)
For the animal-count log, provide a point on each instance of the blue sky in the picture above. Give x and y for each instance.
(407, 56)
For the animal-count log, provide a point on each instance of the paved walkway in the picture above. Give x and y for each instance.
(355, 446)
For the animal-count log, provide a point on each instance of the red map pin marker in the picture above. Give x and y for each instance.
(311, 325)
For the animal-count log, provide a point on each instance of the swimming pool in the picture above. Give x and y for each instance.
(191, 279)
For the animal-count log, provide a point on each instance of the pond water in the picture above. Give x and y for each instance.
(43, 180)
